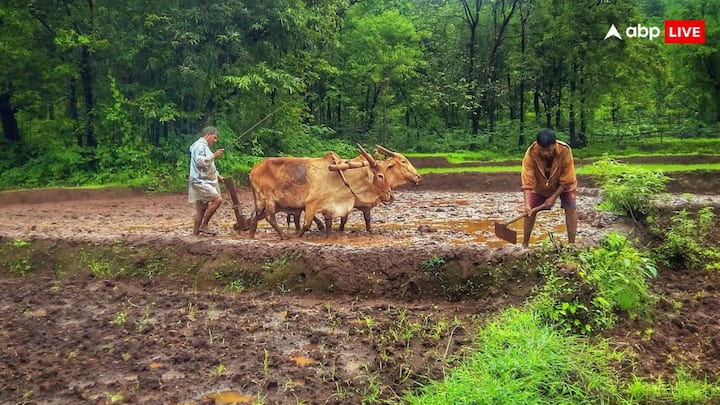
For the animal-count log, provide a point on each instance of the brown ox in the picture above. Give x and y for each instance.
(398, 171)
(292, 184)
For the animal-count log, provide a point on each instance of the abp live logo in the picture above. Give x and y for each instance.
(676, 32)
(684, 31)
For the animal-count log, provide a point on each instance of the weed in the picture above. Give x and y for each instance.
(21, 266)
(219, 370)
(647, 334)
(211, 336)
(236, 286)
(585, 290)
(372, 391)
(120, 318)
(72, 354)
(627, 189)
(683, 244)
(685, 390)
(144, 320)
(280, 262)
(433, 265)
(266, 362)
(340, 393)
(190, 312)
(521, 360)
(101, 268)
(113, 397)
(26, 396)
(19, 243)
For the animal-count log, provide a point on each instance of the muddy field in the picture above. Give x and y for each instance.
(356, 318)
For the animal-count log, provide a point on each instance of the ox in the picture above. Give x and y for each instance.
(398, 171)
(316, 185)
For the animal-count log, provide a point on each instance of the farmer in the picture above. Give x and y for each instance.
(548, 172)
(203, 187)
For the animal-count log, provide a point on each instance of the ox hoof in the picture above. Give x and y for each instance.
(239, 228)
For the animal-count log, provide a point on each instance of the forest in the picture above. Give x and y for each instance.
(97, 92)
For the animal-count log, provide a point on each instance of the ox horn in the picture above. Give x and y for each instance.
(348, 164)
(369, 158)
(386, 152)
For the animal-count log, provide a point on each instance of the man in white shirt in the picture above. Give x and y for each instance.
(203, 187)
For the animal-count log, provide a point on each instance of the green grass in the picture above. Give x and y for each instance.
(464, 157)
(522, 361)
(669, 168)
(483, 169)
(652, 146)
(646, 147)
(665, 168)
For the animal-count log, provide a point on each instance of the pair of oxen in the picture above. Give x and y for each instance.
(326, 186)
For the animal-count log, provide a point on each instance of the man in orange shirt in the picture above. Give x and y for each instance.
(548, 172)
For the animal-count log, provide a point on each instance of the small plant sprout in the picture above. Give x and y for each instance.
(190, 312)
(266, 362)
(19, 243)
(144, 320)
(219, 370)
(120, 318)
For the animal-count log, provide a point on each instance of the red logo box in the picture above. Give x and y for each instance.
(684, 31)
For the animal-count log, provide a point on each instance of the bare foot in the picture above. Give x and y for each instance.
(207, 231)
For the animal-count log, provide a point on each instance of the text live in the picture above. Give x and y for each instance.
(684, 31)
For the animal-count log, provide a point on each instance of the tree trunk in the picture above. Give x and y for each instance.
(73, 112)
(523, 42)
(8, 120)
(571, 109)
(558, 113)
(472, 19)
(86, 76)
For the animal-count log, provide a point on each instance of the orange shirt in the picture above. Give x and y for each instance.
(562, 171)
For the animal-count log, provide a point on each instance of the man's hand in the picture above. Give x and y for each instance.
(532, 211)
(550, 202)
(221, 179)
(218, 153)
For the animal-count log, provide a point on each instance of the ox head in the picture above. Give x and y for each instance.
(379, 179)
(398, 170)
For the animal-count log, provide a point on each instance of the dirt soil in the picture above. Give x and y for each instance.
(116, 302)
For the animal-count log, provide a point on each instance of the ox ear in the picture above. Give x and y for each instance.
(385, 151)
(369, 158)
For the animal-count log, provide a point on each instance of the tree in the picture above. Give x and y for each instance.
(382, 55)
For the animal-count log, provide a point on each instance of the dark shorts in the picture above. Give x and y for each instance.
(567, 200)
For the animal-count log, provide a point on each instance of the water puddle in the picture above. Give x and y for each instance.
(225, 397)
(302, 361)
(461, 229)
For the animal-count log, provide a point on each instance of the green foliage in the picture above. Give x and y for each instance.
(520, 360)
(684, 390)
(433, 265)
(586, 290)
(301, 78)
(683, 242)
(627, 189)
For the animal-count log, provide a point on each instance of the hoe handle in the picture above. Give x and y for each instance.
(521, 216)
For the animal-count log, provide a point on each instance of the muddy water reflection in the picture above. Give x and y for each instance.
(431, 218)
(225, 397)
(456, 231)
